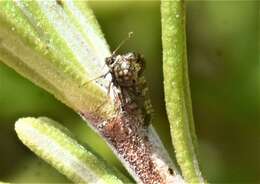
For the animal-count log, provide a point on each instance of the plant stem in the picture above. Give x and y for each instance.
(177, 92)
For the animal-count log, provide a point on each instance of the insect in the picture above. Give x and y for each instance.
(127, 74)
(126, 71)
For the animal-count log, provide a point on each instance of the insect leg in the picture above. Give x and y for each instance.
(101, 76)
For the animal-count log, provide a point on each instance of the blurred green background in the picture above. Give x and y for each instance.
(223, 45)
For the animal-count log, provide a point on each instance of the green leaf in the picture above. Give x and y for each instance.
(44, 42)
(177, 92)
(57, 146)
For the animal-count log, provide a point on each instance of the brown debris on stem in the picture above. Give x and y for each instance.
(127, 135)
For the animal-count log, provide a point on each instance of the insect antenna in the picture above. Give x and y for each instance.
(130, 34)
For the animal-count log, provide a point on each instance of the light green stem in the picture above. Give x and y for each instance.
(55, 144)
(177, 92)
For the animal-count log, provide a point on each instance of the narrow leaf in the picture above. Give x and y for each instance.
(177, 92)
(55, 144)
(40, 41)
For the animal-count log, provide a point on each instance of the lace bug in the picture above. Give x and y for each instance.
(126, 71)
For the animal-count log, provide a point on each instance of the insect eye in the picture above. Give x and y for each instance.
(109, 60)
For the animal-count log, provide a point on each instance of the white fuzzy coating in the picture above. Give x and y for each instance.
(89, 53)
(163, 160)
